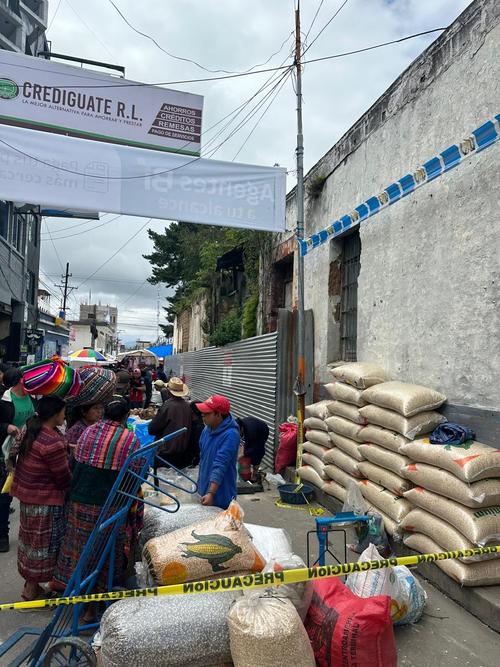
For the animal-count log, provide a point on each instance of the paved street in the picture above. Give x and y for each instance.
(446, 636)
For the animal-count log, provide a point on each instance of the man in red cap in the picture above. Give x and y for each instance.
(219, 444)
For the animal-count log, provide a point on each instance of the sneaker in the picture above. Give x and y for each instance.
(4, 544)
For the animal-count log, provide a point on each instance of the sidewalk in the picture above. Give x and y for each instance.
(447, 635)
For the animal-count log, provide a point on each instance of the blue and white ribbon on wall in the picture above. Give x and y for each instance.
(481, 138)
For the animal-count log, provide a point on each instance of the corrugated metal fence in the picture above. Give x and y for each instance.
(246, 372)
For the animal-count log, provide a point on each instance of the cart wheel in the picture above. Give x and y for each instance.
(70, 652)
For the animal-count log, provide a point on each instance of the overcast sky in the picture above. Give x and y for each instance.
(231, 35)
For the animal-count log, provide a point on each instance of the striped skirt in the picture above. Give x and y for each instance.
(81, 520)
(41, 531)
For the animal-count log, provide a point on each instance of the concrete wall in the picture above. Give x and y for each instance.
(428, 288)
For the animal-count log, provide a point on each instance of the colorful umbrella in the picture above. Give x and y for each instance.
(87, 353)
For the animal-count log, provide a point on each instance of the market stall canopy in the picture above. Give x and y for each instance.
(87, 356)
(135, 354)
(162, 350)
(78, 139)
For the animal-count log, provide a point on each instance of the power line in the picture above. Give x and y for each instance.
(54, 16)
(314, 19)
(80, 224)
(189, 60)
(277, 92)
(53, 245)
(92, 32)
(86, 231)
(326, 25)
(235, 76)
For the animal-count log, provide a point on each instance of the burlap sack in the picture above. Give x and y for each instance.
(314, 462)
(469, 462)
(360, 374)
(406, 399)
(338, 475)
(318, 410)
(315, 449)
(344, 427)
(385, 478)
(410, 427)
(310, 476)
(485, 573)
(420, 521)
(263, 629)
(347, 411)
(216, 545)
(381, 436)
(484, 493)
(348, 446)
(343, 461)
(319, 437)
(335, 490)
(480, 526)
(345, 392)
(315, 424)
(394, 506)
(385, 458)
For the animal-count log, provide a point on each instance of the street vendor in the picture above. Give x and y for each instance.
(219, 444)
(137, 389)
(254, 433)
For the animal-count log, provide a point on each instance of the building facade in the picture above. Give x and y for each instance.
(415, 289)
(80, 336)
(22, 29)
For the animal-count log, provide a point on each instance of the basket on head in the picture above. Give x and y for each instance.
(97, 386)
(51, 377)
(296, 494)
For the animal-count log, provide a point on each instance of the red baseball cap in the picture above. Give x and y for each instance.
(215, 403)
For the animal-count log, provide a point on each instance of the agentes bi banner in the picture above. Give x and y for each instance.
(42, 95)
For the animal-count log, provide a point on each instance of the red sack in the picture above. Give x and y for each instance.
(287, 448)
(348, 631)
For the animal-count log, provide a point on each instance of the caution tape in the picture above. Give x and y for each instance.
(249, 581)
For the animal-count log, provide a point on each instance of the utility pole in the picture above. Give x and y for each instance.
(66, 289)
(300, 386)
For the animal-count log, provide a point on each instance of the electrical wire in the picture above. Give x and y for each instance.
(326, 25)
(314, 19)
(277, 92)
(189, 60)
(91, 31)
(86, 231)
(54, 245)
(133, 294)
(80, 224)
(234, 76)
(54, 16)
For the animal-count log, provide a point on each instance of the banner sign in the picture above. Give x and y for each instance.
(40, 94)
(61, 172)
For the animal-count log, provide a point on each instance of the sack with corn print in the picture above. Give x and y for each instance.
(218, 546)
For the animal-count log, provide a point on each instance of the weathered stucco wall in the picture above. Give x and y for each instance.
(428, 295)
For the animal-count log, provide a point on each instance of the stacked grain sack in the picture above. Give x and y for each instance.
(396, 412)
(457, 506)
(342, 462)
(317, 443)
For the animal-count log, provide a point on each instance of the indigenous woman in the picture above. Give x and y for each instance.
(41, 480)
(100, 454)
(85, 416)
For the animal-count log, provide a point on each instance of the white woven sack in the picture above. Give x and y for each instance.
(319, 437)
(381, 436)
(484, 493)
(360, 374)
(410, 427)
(338, 475)
(348, 446)
(406, 399)
(334, 489)
(385, 478)
(394, 506)
(469, 462)
(313, 448)
(480, 526)
(486, 573)
(309, 475)
(318, 410)
(344, 427)
(315, 423)
(345, 392)
(315, 462)
(343, 461)
(385, 458)
(347, 411)
(420, 521)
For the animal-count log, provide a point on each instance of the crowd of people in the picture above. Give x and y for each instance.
(63, 460)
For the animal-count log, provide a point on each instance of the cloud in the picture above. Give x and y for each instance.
(234, 36)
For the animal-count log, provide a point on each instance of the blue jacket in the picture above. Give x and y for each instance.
(218, 458)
